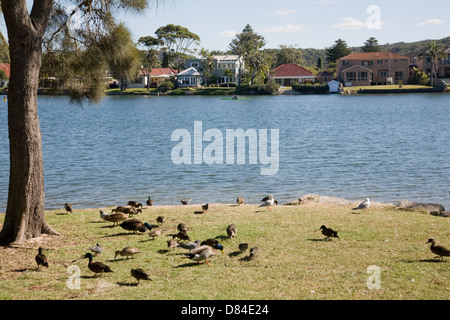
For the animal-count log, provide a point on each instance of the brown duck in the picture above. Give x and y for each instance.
(231, 230)
(139, 274)
(240, 200)
(136, 225)
(96, 267)
(41, 259)
(116, 217)
(439, 250)
(68, 207)
(328, 232)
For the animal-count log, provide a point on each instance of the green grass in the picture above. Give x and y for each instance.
(386, 87)
(294, 263)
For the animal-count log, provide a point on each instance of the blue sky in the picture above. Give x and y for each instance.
(305, 24)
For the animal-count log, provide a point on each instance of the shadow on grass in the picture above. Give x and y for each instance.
(431, 260)
(122, 234)
(234, 254)
(189, 264)
(26, 269)
(198, 212)
(321, 239)
(127, 284)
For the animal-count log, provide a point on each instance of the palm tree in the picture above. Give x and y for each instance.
(434, 53)
(228, 73)
(208, 64)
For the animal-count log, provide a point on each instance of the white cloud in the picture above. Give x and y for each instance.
(350, 24)
(228, 34)
(284, 12)
(431, 21)
(286, 28)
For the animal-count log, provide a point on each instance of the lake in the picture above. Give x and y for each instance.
(385, 147)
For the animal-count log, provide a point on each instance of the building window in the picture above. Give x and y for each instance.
(195, 64)
(379, 61)
(383, 73)
(345, 62)
(351, 76)
(368, 63)
(398, 75)
(362, 76)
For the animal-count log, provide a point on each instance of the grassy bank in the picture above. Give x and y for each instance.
(294, 262)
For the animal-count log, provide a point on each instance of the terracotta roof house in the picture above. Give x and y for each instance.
(157, 75)
(443, 69)
(289, 73)
(373, 68)
(324, 77)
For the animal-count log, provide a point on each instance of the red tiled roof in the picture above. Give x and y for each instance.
(7, 68)
(159, 71)
(324, 74)
(373, 55)
(291, 70)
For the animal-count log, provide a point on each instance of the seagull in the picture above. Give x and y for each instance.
(328, 232)
(97, 249)
(439, 250)
(190, 245)
(363, 205)
(268, 201)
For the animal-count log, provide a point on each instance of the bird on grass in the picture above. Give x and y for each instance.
(328, 232)
(135, 204)
(363, 205)
(127, 252)
(231, 231)
(103, 215)
(254, 252)
(160, 220)
(240, 200)
(97, 249)
(205, 207)
(268, 201)
(136, 225)
(149, 201)
(140, 274)
(124, 209)
(204, 252)
(155, 233)
(190, 245)
(96, 267)
(41, 259)
(186, 201)
(439, 250)
(117, 217)
(182, 235)
(171, 244)
(182, 227)
(68, 208)
(210, 242)
(243, 247)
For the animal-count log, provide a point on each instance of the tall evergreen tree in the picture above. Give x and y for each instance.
(371, 45)
(337, 51)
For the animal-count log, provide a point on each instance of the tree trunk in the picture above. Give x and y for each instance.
(24, 217)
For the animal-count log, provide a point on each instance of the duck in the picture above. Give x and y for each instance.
(190, 245)
(136, 225)
(204, 252)
(363, 205)
(439, 250)
(140, 274)
(205, 207)
(160, 220)
(240, 200)
(186, 201)
(243, 247)
(155, 233)
(96, 267)
(231, 230)
(149, 201)
(135, 204)
(210, 242)
(41, 259)
(328, 232)
(182, 235)
(125, 209)
(268, 201)
(117, 217)
(182, 227)
(171, 244)
(103, 215)
(254, 251)
(127, 252)
(97, 249)
(68, 208)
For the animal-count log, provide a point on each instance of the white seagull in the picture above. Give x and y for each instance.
(268, 201)
(363, 205)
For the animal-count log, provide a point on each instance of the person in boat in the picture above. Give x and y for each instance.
(235, 96)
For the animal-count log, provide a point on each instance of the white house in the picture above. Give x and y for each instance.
(189, 78)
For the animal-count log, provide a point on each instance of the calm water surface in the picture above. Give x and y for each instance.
(388, 148)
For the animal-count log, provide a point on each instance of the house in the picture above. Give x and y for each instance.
(324, 77)
(373, 68)
(157, 76)
(220, 63)
(425, 64)
(289, 73)
(190, 77)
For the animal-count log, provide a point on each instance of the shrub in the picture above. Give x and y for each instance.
(167, 85)
(311, 88)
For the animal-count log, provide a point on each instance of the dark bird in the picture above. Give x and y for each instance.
(205, 207)
(96, 267)
(182, 227)
(135, 204)
(127, 252)
(116, 217)
(149, 202)
(68, 207)
(172, 244)
(182, 235)
(186, 201)
(140, 274)
(210, 242)
(363, 205)
(240, 200)
(97, 249)
(125, 209)
(254, 251)
(160, 220)
(439, 250)
(190, 245)
(328, 232)
(231, 230)
(243, 247)
(204, 252)
(41, 259)
(136, 225)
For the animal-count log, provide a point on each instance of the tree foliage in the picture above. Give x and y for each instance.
(337, 51)
(371, 45)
